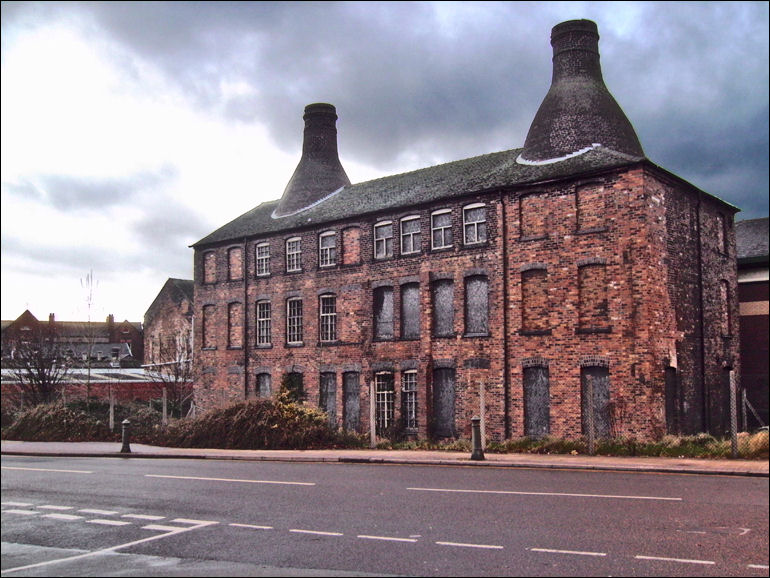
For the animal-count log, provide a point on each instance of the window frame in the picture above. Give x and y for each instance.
(262, 262)
(443, 229)
(293, 256)
(409, 399)
(327, 256)
(386, 242)
(476, 225)
(384, 402)
(327, 320)
(411, 235)
(294, 321)
(377, 323)
(264, 325)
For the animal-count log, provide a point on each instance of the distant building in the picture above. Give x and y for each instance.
(753, 279)
(568, 287)
(168, 323)
(102, 343)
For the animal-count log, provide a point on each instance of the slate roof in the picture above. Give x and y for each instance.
(751, 238)
(398, 192)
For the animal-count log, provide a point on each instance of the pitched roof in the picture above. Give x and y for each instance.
(751, 238)
(397, 192)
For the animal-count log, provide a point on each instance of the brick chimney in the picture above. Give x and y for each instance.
(578, 111)
(319, 172)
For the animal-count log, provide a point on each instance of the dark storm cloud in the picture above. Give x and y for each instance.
(413, 84)
(72, 194)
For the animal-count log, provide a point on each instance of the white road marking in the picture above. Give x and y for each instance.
(62, 516)
(388, 538)
(231, 480)
(142, 517)
(252, 526)
(463, 545)
(98, 512)
(575, 552)
(48, 470)
(194, 522)
(108, 522)
(50, 507)
(546, 494)
(105, 550)
(759, 566)
(162, 528)
(22, 512)
(316, 532)
(680, 560)
(16, 504)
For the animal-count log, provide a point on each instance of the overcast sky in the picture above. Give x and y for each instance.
(132, 130)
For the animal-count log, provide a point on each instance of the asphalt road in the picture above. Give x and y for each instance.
(142, 517)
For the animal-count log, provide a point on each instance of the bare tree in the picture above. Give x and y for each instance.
(172, 368)
(40, 367)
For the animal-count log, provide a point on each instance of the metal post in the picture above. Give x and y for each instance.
(165, 407)
(126, 449)
(733, 415)
(478, 453)
(590, 416)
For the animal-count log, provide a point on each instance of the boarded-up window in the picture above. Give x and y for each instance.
(235, 325)
(591, 207)
(293, 383)
(537, 402)
(351, 246)
(595, 401)
(724, 306)
(410, 311)
(535, 307)
(351, 418)
(328, 396)
(209, 337)
(532, 216)
(443, 308)
(235, 264)
(263, 384)
(592, 296)
(477, 305)
(383, 313)
(210, 267)
(444, 402)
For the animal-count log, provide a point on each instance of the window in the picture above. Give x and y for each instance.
(475, 224)
(443, 308)
(351, 246)
(263, 323)
(235, 264)
(383, 240)
(537, 402)
(263, 384)
(477, 305)
(383, 312)
(327, 249)
(327, 398)
(441, 229)
(209, 341)
(410, 311)
(210, 267)
(293, 383)
(384, 399)
(294, 321)
(293, 255)
(263, 259)
(410, 235)
(409, 399)
(721, 228)
(327, 308)
(234, 325)
(724, 306)
(595, 401)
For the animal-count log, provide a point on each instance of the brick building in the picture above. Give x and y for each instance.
(546, 288)
(168, 323)
(753, 292)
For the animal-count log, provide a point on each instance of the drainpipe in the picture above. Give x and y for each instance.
(705, 420)
(506, 343)
(245, 319)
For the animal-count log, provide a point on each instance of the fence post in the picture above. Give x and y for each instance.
(478, 452)
(733, 416)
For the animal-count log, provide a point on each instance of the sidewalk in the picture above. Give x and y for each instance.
(757, 468)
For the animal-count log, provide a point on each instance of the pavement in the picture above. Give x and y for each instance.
(726, 467)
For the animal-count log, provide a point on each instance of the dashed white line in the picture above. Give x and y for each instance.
(21, 512)
(464, 545)
(252, 526)
(142, 517)
(387, 538)
(67, 517)
(48, 470)
(316, 532)
(680, 560)
(16, 504)
(162, 528)
(50, 507)
(759, 566)
(559, 494)
(98, 512)
(193, 522)
(108, 522)
(575, 552)
(231, 480)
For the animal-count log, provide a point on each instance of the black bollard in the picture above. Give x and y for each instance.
(126, 449)
(478, 453)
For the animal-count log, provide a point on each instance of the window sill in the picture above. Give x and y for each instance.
(445, 336)
(591, 230)
(525, 238)
(208, 348)
(236, 348)
(531, 332)
(441, 249)
(297, 344)
(593, 330)
(264, 346)
(262, 276)
(329, 343)
(480, 245)
(383, 339)
(415, 338)
(476, 334)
